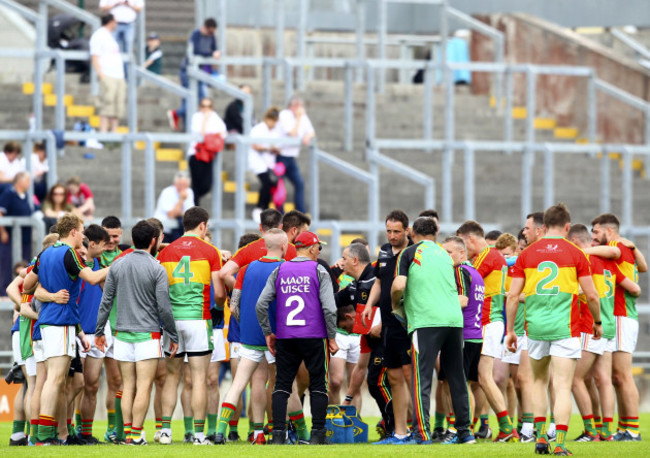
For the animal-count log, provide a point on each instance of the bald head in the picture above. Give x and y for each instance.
(276, 242)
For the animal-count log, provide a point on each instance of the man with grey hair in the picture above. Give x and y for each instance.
(14, 201)
(294, 122)
(172, 204)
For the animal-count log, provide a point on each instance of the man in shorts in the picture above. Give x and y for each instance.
(605, 230)
(192, 265)
(595, 352)
(140, 286)
(550, 272)
(397, 346)
(92, 361)
(59, 268)
(493, 268)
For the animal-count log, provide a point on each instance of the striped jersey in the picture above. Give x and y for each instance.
(493, 268)
(551, 268)
(189, 262)
(624, 302)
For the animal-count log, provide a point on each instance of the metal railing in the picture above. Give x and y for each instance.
(15, 225)
(640, 50)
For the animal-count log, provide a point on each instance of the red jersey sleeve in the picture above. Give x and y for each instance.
(215, 259)
(242, 257)
(240, 278)
(583, 268)
(484, 265)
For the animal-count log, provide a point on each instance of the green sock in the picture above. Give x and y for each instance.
(77, 418)
(233, 425)
(299, 419)
(199, 425)
(19, 426)
(212, 423)
(71, 430)
(590, 425)
(189, 424)
(45, 433)
(439, 420)
(119, 420)
(227, 412)
(166, 422)
(520, 422)
(34, 433)
(528, 418)
(540, 426)
(606, 429)
(111, 421)
(560, 435)
(250, 425)
(505, 424)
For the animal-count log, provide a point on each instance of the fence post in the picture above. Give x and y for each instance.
(549, 176)
(647, 140)
(470, 202)
(240, 178)
(428, 103)
(348, 115)
(508, 109)
(447, 156)
(223, 25)
(266, 84)
(60, 92)
(192, 102)
(314, 185)
(627, 182)
(279, 36)
(127, 193)
(132, 98)
(605, 182)
(149, 177)
(141, 28)
(527, 159)
(592, 109)
(370, 107)
(217, 193)
(444, 32)
(50, 148)
(498, 58)
(16, 242)
(381, 43)
(361, 34)
(302, 31)
(288, 81)
(531, 77)
(39, 66)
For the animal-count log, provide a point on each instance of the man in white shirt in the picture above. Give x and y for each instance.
(294, 122)
(107, 62)
(172, 204)
(10, 164)
(125, 13)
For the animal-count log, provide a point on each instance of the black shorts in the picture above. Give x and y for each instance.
(471, 357)
(75, 364)
(397, 348)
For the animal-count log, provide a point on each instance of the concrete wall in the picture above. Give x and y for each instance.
(15, 33)
(533, 40)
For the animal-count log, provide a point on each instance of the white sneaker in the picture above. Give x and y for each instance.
(156, 437)
(165, 438)
(201, 441)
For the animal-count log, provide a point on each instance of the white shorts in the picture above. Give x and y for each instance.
(15, 348)
(30, 366)
(256, 355)
(94, 352)
(37, 346)
(58, 341)
(194, 336)
(627, 333)
(595, 346)
(563, 348)
(235, 350)
(110, 341)
(132, 352)
(492, 339)
(219, 342)
(349, 347)
(513, 358)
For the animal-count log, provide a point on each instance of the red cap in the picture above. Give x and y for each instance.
(306, 239)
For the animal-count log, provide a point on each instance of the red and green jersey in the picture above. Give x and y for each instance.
(256, 250)
(189, 262)
(493, 268)
(551, 268)
(606, 277)
(520, 318)
(624, 302)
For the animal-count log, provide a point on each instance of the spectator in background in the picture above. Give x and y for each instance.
(14, 202)
(294, 122)
(234, 113)
(125, 13)
(39, 169)
(153, 54)
(261, 158)
(172, 204)
(107, 62)
(205, 121)
(202, 42)
(56, 205)
(10, 164)
(81, 197)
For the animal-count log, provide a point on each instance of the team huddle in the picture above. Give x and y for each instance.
(545, 314)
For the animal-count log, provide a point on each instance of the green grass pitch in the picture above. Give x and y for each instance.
(243, 449)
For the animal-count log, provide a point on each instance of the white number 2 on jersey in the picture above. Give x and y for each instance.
(291, 317)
